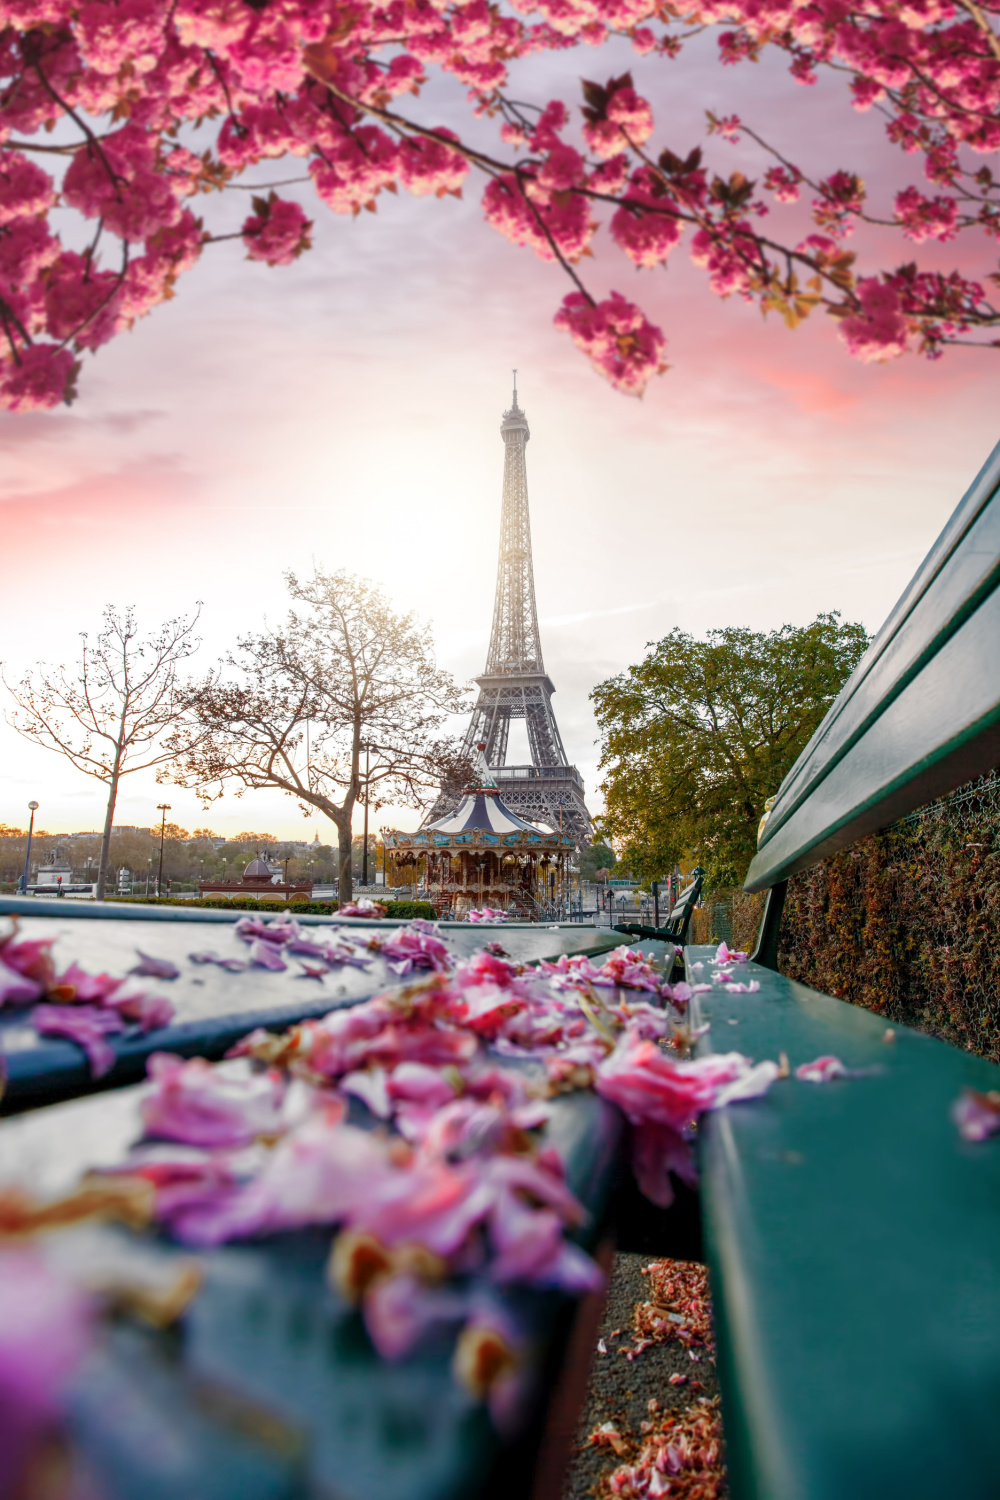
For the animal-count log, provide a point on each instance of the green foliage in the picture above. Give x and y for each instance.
(596, 857)
(405, 911)
(699, 734)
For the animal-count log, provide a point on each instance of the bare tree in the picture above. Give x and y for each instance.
(344, 671)
(108, 715)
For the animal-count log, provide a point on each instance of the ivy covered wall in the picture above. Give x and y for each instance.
(907, 921)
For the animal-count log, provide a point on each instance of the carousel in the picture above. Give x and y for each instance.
(482, 855)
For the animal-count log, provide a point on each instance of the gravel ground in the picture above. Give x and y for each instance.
(619, 1390)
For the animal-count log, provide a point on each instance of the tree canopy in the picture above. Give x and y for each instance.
(294, 708)
(699, 734)
(120, 116)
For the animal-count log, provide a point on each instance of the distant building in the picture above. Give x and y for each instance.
(261, 881)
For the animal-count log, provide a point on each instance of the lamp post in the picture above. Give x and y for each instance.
(164, 808)
(27, 857)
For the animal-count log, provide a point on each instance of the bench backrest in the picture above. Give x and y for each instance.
(919, 715)
(682, 910)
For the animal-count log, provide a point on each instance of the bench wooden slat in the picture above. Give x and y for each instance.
(920, 713)
(852, 1238)
(213, 1008)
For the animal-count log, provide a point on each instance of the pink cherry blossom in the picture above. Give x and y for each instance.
(618, 339)
(878, 331)
(25, 190)
(646, 227)
(40, 377)
(784, 183)
(277, 233)
(125, 82)
(428, 166)
(926, 218)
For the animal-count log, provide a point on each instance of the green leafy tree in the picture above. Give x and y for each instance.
(596, 857)
(699, 734)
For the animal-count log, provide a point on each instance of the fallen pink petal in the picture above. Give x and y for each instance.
(821, 1070)
(977, 1115)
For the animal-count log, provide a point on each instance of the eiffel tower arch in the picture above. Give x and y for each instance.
(515, 684)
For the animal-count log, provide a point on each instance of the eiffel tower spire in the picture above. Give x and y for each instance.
(515, 684)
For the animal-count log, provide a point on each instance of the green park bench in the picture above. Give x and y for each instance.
(852, 1235)
(675, 929)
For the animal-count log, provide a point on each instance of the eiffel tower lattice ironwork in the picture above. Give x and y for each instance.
(515, 684)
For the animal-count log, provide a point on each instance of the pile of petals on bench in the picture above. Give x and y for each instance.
(84, 1008)
(458, 1194)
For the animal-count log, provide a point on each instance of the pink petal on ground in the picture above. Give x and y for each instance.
(202, 1105)
(264, 955)
(16, 988)
(399, 1309)
(976, 1115)
(87, 1025)
(31, 957)
(45, 1332)
(821, 1070)
(150, 1011)
(369, 1085)
(657, 1152)
(79, 986)
(233, 965)
(419, 1084)
(750, 1085)
(155, 968)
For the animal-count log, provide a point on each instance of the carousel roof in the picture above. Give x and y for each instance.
(482, 808)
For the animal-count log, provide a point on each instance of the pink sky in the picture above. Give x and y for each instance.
(346, 410)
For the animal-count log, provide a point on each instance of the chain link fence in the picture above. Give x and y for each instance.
(905, 922)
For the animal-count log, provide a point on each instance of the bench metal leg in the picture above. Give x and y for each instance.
(767, 939)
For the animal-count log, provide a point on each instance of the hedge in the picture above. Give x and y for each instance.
(394, 910)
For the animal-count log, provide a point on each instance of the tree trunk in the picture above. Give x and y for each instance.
(109, 818)
(342, 818)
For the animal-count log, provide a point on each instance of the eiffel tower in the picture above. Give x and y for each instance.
(515, 684)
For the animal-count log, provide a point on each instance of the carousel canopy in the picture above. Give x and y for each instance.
(482, 808)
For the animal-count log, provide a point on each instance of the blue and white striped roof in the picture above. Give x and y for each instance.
(482, 808)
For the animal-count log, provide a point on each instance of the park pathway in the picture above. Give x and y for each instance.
(651, 1425)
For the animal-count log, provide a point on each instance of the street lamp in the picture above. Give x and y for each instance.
(164, 808)
(27, 858)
